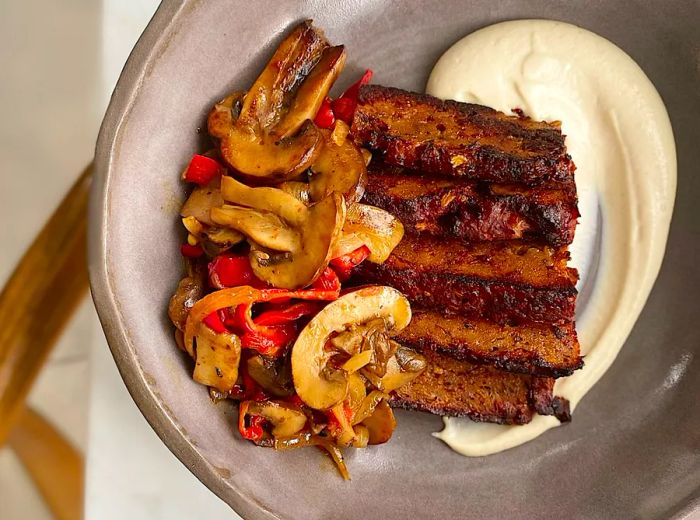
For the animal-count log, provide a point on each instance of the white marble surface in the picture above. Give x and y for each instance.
(49, 54)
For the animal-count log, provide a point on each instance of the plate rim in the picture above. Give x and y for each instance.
(162, 27)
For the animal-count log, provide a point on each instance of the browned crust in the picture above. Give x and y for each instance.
(532, 348)
(459, 139)
(473, 211)
(482, 393)
(544, 401)
(503, 282)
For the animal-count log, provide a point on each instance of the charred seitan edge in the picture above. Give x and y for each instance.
(501, 282)
(473, 210)
(531, 348)
(454, 295)
(458, 175)
(424, 133)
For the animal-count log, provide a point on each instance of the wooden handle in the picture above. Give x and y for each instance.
(39, 299)
(53, 464)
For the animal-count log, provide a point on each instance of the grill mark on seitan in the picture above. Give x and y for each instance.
(422, 132)
(495, 306)
(506, 282)
(533, 348)
(473, 211)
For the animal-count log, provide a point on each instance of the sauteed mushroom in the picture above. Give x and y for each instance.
(316, 381)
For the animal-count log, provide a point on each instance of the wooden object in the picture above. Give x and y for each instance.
(54, 465)
(39, 299)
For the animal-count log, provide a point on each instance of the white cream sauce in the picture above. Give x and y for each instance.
(619, 135)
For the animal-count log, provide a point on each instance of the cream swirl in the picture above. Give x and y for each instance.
(620, 137)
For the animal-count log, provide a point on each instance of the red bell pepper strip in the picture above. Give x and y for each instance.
(344, 265)
(228, 270)
(228, 318)
(354, 89)
(334, 423)
(202, 170)
(214, 322)
(325, 287)
(344, 107)
(274, 329)
(254, 430)
(244, 295)
(328, 281)
(284, 315)
(268, 340)
(325, 117)
(191, 251)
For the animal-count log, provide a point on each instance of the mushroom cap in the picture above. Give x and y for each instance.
(319, 385)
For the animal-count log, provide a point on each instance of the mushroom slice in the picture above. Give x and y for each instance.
(312, 91)
(260, 155)
(271, 375)
(219, 239)
(373, 227)
(275, 221)
(340, 167)
(299, 190)
(320, 229)
(273, 137)
(380, 424)
(401, 369)
(190, 289)
(316, 381)
(274, 200)
(295, 57)
(222, 117)
(216, 359)
(286, 419)
(265, 228)
(202, 200)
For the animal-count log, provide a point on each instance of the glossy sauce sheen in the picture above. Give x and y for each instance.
(619, 135)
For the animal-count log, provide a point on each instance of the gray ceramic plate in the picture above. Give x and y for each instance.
(633, 449)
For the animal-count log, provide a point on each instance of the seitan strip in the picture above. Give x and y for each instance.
(532, 348)
(506, 282)
(473, 211)
(424, 133)
(482, 393)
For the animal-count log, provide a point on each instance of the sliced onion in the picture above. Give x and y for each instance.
(337, 457)
(357, 361)
(300, 440)
(347, 434)
(356, 392)
(361, 436)
(369, 404)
